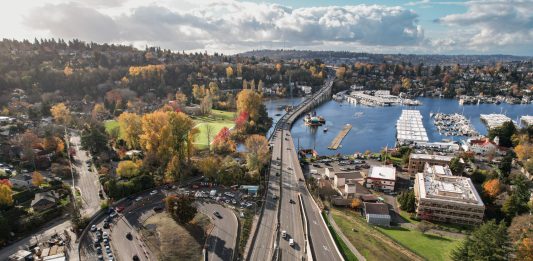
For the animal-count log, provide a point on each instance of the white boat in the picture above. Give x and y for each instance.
(325, 129)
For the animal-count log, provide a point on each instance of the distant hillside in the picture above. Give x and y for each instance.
(332, 57)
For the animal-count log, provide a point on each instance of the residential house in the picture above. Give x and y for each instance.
(21, 181)
(377, 214)
(486, 147)
(43, 201)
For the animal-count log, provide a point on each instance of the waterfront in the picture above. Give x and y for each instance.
(374, 127)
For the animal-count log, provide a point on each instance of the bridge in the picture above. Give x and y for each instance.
(289, 206)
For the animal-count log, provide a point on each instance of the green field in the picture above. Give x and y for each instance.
(343, 248)
(430, 247)
(363, 237)
(110, 125)
(216, 120)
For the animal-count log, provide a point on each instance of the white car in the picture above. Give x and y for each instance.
(153, 192)
(93, 228)
(283, 234)
(138, 198)
(291, 242)
(105, 235)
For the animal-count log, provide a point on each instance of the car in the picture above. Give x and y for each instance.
(300, 179)
(99, 250)
(93, 228)
(291, 201)
(139, 198)
(227, 201)
(283, 234)
(100, 257)
(275, 197)
(289, 168)
(217, 214)
(135, 258)
(120, 209)
(129, 236)
(291, 242)
(107, 219)
(153, 192)
(98, 234)
(233, 201)
(286, 139)
(113, 214)
(106, 224)
(158, 209)
(105, 235)
(277, 174)
(106, 242)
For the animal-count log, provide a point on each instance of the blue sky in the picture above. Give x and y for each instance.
(232, 26)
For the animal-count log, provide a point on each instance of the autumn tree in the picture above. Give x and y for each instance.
(37, 179)
(492, 187)
(99, 112)
(131, 129)
(128, 169)
(356, 203)
(341, 70)
(209, 167)
(249, 102)
(181, 99)
(181, 208)
(206, 104)
(6, 194)
(60, 113)
(524, 151)
(28, 141)
(222, 143)
(257, 152)
(198, 92)
(244, 84)
(154, 132)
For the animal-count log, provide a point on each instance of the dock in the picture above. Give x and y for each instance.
(336, 142)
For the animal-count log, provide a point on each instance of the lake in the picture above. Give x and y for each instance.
(373, 128)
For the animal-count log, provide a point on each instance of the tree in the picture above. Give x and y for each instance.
(457, 166)
(131, 129)
(257, 152)
(181, 99)
(229, 72)
(407, 200)
(198, 92)
(99, 112)
(249, 102)
(28, 141)
(524, 250)
(60, 113)
(94, 138)
(244, 84)
(222, 144)
(517, 202)
(260, 86)
(209, 167)
(505, 166)
(492, 187)
(487, 242)
(154, 127)
(37, 179)
(524, 151)
(5, 229)
(504, 133)
(356, 203)
(181, 208)
(127, 169)
(207, 103)
(209, 134)
(6, 194)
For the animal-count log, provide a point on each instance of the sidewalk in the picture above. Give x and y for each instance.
(345, 239)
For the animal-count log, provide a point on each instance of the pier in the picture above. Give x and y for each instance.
(338, 139)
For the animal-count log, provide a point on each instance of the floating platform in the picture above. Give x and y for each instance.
(336, 142)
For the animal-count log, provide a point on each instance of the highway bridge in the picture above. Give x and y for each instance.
(287, 199)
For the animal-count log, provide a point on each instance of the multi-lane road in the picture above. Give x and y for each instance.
(222, 239)
(285, 161)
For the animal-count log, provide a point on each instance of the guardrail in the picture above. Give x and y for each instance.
(308, 250)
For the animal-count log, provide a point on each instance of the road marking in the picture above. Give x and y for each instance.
(325, 248)
(314, 222)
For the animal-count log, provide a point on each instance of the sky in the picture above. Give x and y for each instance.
(232, 26)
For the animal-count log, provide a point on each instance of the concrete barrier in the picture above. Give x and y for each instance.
(307, 249)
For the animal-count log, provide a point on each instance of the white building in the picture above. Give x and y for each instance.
(410, 129)
(381, 178)
(342, 177)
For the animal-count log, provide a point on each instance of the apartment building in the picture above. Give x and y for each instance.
(418, 161)
(440, 196)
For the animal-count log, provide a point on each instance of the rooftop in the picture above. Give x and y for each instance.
(438, 183)
(376, 208)
(382, 172)
(409, 127)
(494, 120)
(430, 157)
(349, 175)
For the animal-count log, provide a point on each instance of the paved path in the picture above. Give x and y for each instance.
(345, 239)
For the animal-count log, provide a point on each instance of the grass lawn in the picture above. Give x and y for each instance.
(110, 125)
(346, 252)
(216, 120)
(430, 247)
(362, 237)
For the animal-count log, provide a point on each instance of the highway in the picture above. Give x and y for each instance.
(266, 233)
(222, 239)
(322, 245)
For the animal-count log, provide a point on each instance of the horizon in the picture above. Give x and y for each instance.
(231, 26)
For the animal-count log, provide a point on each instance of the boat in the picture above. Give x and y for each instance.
(313, 120)
(278, 114)
(325, 129)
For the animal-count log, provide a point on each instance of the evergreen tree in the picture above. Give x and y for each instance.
(488, 242)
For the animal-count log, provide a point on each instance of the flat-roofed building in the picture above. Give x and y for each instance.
(381, 178)
(443, 197)
(418, 161)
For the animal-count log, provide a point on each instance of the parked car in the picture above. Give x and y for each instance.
(93, 228)
(217, 214)
(291, 242)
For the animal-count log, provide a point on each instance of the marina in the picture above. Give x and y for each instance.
(410, 129)
(494, 120)
(453, 125)
(338, 139)
(379, 98)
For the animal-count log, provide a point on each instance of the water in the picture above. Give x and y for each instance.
(373, 128)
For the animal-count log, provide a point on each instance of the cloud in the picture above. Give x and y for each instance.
(232, 24)
(493, 24)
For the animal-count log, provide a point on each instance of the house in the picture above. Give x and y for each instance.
(485, 147)
(418, 161)
(21, 255)
(43, 201)
(341, 178)
(21, 181)
(329, 173)
(381, 178)
(377, 214)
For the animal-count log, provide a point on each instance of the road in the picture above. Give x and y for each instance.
(263, 248)
(290, 216)
(222, 239)
(86, 180)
